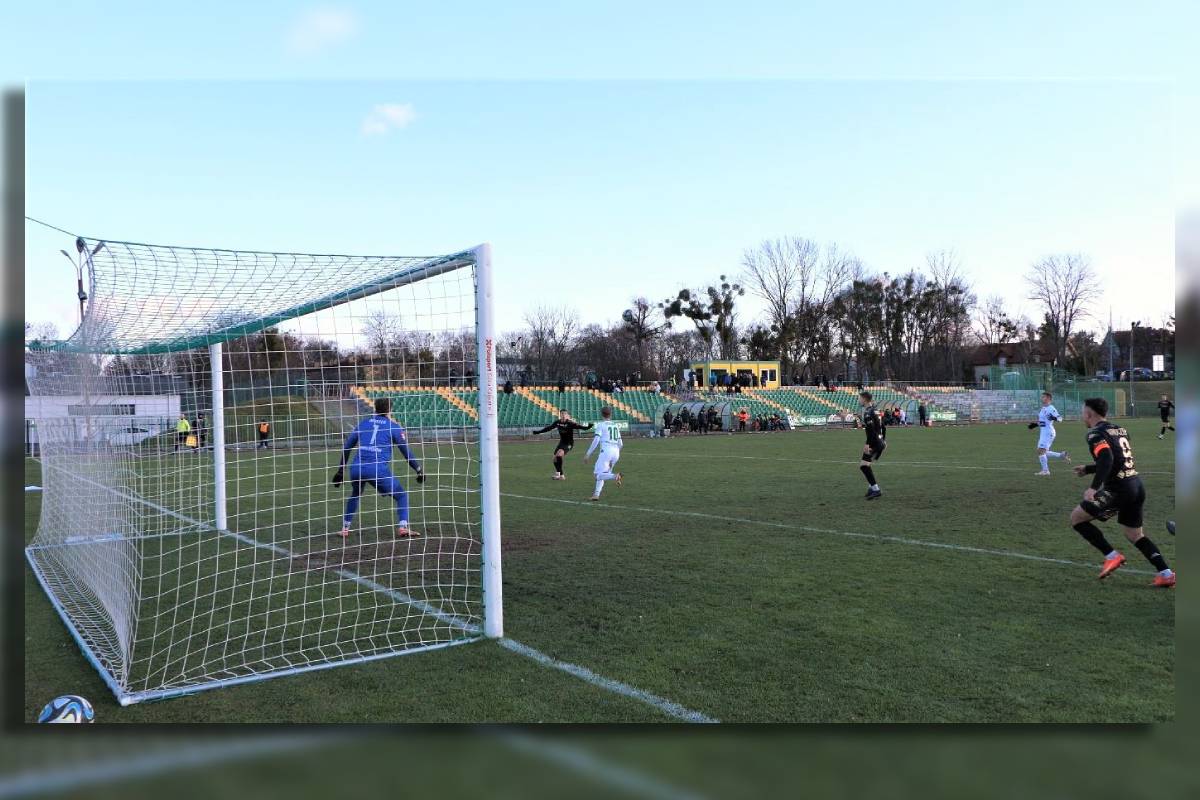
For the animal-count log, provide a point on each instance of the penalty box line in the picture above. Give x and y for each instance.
(879, 537)
(583, 673)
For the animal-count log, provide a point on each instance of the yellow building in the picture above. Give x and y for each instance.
(767, 372)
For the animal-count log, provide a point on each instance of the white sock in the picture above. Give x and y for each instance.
(874, 487)
(1053, 454)
(599, 487)
(1166, 573)
(1045, 463)
(605, 476)
(1111, 555)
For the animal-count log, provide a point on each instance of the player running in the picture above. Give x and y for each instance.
(876, 443)
(608, 439)
(372, 464)
(566, 439)
(1116, 490)
(1047, 416)
(1165, 407)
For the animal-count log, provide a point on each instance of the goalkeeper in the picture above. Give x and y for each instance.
(374, 437)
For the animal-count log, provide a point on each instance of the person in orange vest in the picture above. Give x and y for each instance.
(743, 416)
(264, 434)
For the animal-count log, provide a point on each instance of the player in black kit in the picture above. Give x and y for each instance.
(1165, 407)
(1116, 490)
(876, 443)
(566, 439)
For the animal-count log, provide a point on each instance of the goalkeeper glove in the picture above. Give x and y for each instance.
(420, 476)
(1032, 425)
(338, 477)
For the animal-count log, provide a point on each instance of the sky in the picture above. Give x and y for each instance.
(616, 151)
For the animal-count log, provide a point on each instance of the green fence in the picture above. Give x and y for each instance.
(1069, 389)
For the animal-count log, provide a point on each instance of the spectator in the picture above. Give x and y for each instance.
(524, 379)
(201, 430)
(743, 415)
(562, 386)
(264, 434)
(508, 387)
(921, 414)
(714, 419)
(667, 420)
(903, 416)
(754, 381)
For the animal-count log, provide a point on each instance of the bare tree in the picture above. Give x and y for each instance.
(781, 272)
(640, 322)
(549, 336)
(1065, 285)
(993, 325)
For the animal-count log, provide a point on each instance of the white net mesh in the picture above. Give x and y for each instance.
(130, 547)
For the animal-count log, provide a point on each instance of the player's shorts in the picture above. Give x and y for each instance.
(1165, 416)
(566, 447)
(1046, 438)
(1124, 501)
(875, 451)
(383, 480)
(607, 460)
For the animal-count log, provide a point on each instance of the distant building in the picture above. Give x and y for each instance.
(1009, 354)
(767, 372)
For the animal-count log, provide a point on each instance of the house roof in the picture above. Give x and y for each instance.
(1013, 353)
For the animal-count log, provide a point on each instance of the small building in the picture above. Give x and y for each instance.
(1014, 355)
(712, 373)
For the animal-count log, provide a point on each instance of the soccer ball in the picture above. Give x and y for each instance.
(70, 708)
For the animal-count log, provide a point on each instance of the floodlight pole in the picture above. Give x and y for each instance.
(1132, 407)
(489, 446)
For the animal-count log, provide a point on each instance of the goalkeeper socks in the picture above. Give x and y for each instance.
(1094, 537)
(869, 474)
(1151, 553)
(1045, 463)
(558, 464)
(1163, 432)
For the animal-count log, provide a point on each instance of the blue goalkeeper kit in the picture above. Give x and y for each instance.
(375, 437)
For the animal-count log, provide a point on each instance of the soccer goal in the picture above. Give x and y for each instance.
(189, 430)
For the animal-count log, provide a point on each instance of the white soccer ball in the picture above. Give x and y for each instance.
(70, 708)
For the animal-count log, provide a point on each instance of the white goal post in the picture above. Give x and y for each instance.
(212, 546)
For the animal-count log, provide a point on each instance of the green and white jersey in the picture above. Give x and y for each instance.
(608, 436)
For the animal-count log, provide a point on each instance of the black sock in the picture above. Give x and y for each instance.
(870, 473)
(1094, 537)
(1171, 427)
(558, 464)
(1163, 431)
(1151, 553)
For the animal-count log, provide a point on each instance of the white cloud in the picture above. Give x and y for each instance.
(319, 29)
(387, 117)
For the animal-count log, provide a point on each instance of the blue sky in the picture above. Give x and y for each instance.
(613, 188)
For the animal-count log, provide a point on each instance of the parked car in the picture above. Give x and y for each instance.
(1104, 376)
(130, 435)
(1139, 374)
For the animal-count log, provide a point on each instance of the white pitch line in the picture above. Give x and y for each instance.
(583, 673)
(929, 464)
(879, 537)
(66, 777)
(588, 764)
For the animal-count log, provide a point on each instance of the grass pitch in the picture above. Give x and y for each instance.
(744, 577)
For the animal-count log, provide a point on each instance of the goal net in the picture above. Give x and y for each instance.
(189, 431)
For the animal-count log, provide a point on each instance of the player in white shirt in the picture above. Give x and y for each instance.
(1047, 416)
(608, 439)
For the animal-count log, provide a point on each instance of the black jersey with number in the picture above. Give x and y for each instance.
(1115, 439)
(873, 425)
(1164, 409)
(566, 430)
